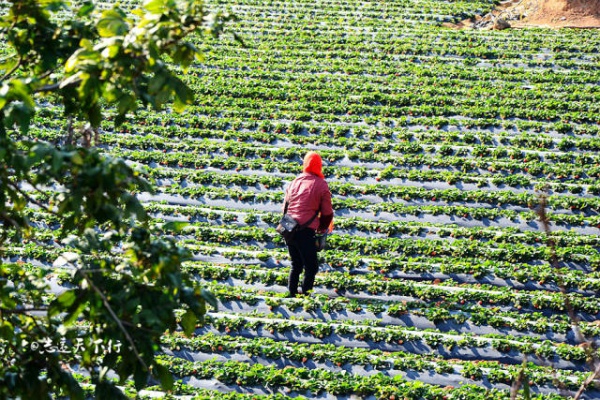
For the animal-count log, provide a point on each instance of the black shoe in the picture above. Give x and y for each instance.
(291, 295)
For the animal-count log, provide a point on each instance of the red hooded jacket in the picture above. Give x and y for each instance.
(309, 193)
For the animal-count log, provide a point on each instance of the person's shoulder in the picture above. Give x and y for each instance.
(298, 180)
(305, 177)
(319, 179)
(321, 182)
(314, 179)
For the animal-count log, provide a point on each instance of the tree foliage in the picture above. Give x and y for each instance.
(127, 282)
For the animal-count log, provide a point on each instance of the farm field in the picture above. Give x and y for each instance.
(437, 283)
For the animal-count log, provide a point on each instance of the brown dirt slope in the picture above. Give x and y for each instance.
(542, 13)
(560, 13)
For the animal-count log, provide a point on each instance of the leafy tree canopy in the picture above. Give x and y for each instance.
(127, 283)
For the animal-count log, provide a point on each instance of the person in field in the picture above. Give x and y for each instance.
(308, 201)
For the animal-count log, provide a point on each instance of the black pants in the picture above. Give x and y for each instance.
(303, 252)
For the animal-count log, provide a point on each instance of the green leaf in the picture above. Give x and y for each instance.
(155, 6)
(55, 5)
(185, 55)
(209, 298)
(126, 104)
(19, 203)
(111, 92)
(111, 51)
(7, 63)
(38, 152)
(157, 82)
(67, 298)
(20, 91)
(86, 45)
(134, 207)
(184, 96)
(3, 96)
(75, 391)
(112, 24)
(53, 310)
(88, 89)
(74, 313)
(175, 226)
(67, 381)
(107, 391)
(188, 322)
(178, 105)
(239, 39)
(165, 376)
(76, 158)
(86, 9)
(57, 162)
(120, 119)
(6, 330)
(20, 114)
(95, 115)
(73, 62)
(138, 13)
(140, 377)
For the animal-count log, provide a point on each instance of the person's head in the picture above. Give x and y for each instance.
(313, 164)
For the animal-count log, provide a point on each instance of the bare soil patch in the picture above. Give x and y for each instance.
(539, 13)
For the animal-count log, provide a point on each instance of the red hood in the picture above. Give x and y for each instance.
(313, 164)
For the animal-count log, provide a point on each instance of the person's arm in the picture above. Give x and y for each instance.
(324, 222)
(326, 211)
(285, 198)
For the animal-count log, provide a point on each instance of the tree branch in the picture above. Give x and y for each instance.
(13, 69)
(140, 328)
(29, 198)
(69, 139)
(556, 266)
(115, 317)
(518, 382)
(54, 87)
(5, 217)
(594, 361)
(588, 382)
